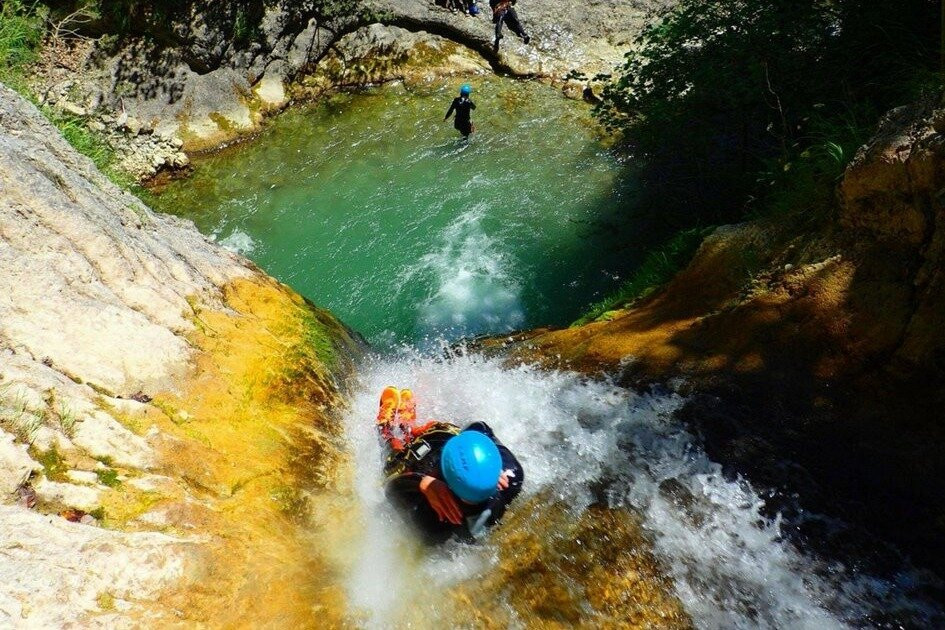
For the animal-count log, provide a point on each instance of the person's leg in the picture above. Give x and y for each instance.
(386, 418)
(511, 18)
(498, 29)
(387, 409)
(407, 409)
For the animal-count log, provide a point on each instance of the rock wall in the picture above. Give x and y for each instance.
(191, 83)
(166, 430)
(813, 344)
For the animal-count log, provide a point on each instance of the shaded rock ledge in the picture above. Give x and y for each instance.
(813, 346)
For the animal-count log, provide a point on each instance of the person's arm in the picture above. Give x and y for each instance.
(472, 105)
(513, 475)
(450, 110)
(408, 488)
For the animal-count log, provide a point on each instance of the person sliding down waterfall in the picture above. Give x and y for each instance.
(503, 12)
(448, 482)
(463, 107)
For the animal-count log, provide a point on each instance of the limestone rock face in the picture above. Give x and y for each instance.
(54, 571)
(202, 80)
(113, 278)
(156, 393)
(588, 37)
(377, 54)
(15, 464)
(892, 196)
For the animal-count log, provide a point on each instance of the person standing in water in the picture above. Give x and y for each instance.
(463, 107)
(503, 12)
(446, 481)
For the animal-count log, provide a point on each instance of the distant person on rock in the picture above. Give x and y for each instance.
(468, 7)
(503, 12)
(463, 107)
(447, 481)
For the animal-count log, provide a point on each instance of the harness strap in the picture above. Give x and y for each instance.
(398, 461)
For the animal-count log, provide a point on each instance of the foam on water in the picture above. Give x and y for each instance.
(239, 243)
(473, 289)
(732, 568)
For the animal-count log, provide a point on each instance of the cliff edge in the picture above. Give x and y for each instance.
(166, 427)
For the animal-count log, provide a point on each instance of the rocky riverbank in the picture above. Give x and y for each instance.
(165, 410)
(812, 344)
(164, 91)
(170, 445)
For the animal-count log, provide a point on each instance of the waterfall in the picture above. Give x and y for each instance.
(582, 441)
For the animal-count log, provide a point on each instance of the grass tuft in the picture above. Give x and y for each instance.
(657, 268)
(18, 417)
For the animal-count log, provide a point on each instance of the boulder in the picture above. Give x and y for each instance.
(15, 464)
(71, 108)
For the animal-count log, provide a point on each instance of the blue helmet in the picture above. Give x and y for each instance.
(465, 90)
(471, 465)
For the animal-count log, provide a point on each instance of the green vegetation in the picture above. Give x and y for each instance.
(21, 31)
(108, 477)
(659, 266)
(67, 419)
(54, 466)
(241, 20)
(18, 416)
(105, 459)
(744, 108)
(105, 601)
(717, 89)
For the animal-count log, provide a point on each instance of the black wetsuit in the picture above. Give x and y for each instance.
(463, 108)
(504, 13)
(406, 468)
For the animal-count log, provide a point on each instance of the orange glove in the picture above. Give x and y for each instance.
(441, 500)
(504, 479)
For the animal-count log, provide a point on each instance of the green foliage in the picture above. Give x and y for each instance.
(746, 108)
(17, 416)
(716, 90)
(90, 144)
(106, 459)
(21, 32)
(85, 141)
(67, 420)
(806, 180)
(22, 28)
(659, 266)
(243, 28)
(108, 477)
(240, 19)
(54, 467)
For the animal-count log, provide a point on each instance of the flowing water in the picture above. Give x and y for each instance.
(586, 442)
(371, 206)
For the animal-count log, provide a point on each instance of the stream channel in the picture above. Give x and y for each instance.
(372, 206)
